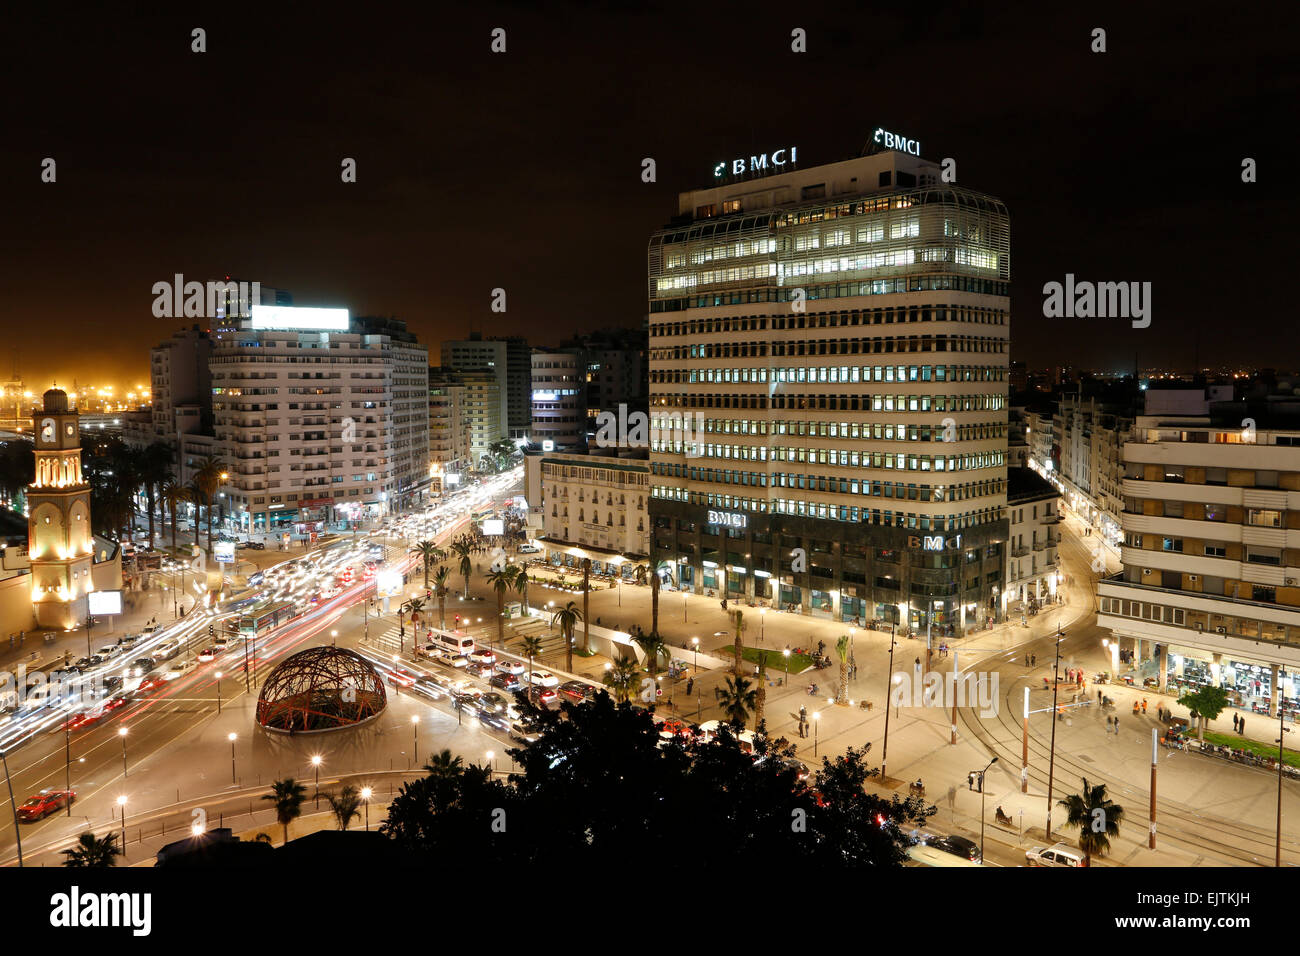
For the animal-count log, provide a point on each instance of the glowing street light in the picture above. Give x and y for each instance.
(232, 737)
(315, 762)
(121, 732)
(365, 797)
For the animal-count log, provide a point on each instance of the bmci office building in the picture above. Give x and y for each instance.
(837, 337)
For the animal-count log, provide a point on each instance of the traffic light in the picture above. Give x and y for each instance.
(212, 629)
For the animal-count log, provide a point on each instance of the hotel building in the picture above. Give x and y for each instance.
(1211, 546)
(837, 335)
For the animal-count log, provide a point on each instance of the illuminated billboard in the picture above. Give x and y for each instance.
(104, 602)
(493, 526)
(289, 318)
(224, 551)
(388, 583)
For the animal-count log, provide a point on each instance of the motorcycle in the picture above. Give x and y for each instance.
(812, 690)
(1002, 818)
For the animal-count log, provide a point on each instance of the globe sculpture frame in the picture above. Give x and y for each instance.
(320, 689)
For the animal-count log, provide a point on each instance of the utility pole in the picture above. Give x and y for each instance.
(1283, 730)
(889, 677)
(1155, 756)
(1051, 763)
(1024, 747)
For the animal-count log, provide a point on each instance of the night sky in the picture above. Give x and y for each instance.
(522, 170)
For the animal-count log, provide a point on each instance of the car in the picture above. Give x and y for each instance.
(544, 679)
(959, 846)
(84, 663)
(494, 702)
(506, 682)
(510, 667)
(207, 654)
(466, 699)
(400, 675)
(479, 670)
(529, 549)
(454, 660)
(577, 691)
(167, 649)
(109, 650)
(141, 666)
(1059, 854)
(253, 545)
(493, 718)
(542, 696)
(41, 805)
(920, 836)
(148, 629)
(525, 732)
(128, 640)
(483, 655)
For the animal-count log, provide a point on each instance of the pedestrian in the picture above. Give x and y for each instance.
(690, 685)
(1033, 660)
(1241, 726)
(1108, 725)
(1144, 705)
(1234, 723)
(1117, 725)
(1026, 660)
(1099, 697)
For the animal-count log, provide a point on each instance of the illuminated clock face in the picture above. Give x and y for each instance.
(69, 430)
(47, 430)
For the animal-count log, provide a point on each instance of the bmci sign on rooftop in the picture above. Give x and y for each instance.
(785, 156)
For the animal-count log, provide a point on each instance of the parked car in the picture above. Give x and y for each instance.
(141, 666)
(529, 549)
(483, 655)
(544, 679)
(128, 640)
(577, 691)
(41, 805)
(506, 682)
(109, 650)
(1059, 854)
(510, 667)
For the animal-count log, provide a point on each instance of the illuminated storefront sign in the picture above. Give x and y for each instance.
(738, 167)
(893, 141)
(289, 318)
(729, 519)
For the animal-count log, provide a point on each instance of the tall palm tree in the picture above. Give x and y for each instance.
(428, 552)
(287, 796)
(736, 698)
(345, 805)
(586, 615)
(738, 620)
(521, 585)
(414, 607)
(531, 647)
(502, 580)
(173, 496)
(622, 677)
(654, 601)
(444, 766)
(207, 479)
(154, 470)
(567, 617)
(653, 645)
(639, 572)
(440, 582)
(842, 649)
(91, 851)
(760, 699)
(462, 550)
(1097, 818)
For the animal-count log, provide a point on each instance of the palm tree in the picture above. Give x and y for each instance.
(502, 580)
(445, 766)
(428, 552)
(738, 619)
(567, 617)
(639, 573)
(345, 805)
(462, 550)
(1096, 817)
(653, 645)
(737, 698)
(521, 585)
(760, 700)
(414, 607)
(155, 469)
(622, 677)
(440, 582)
(207, 479)
(287, 795)
(91, 851)
(586, 616)
(531, 647)
(654, 601)
(842, 649)
(173, 496)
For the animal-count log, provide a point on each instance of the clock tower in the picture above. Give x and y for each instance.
(59, 539)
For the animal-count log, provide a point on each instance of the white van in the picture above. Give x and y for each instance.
(458, 645)
(1059, 854)
(745, 738)
(923, 855)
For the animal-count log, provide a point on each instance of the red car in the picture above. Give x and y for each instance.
(543, 696)
(44, 803)
(402, 676)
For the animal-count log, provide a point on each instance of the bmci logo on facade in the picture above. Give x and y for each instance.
(669, 432)
(204, 300)
(946, 690)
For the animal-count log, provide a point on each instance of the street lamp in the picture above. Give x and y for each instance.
(218, 692)
(1051, 763)
(415, 734)
(490, 755)
(315, 762)
(121, 802)
(695, 641)
(334, 638)
(121, 732)
(889, 678)
(762, 624)
(232, 737)
(817, 716)
(983, 789)
(365, 797)
(786, 654)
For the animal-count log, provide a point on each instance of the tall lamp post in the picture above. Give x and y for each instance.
(315, 762)
(121, 802)
(983, 789)
(1051, 763)
(13, 805)
(218, 692)
(121, 732)
(365, 798)
(889, 677)
(762, 625)
(786, 654)
(415, 738)
(695, 643)
(232, 737)
(817, 716)
(1281, 747)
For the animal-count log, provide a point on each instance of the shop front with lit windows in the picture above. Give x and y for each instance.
(856, 573)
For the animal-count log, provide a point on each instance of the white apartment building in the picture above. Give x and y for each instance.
(594, 506)
(1211, 546)
(842, 330)
(320, 419)
(1032, 562)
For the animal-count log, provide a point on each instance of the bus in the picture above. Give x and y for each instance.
(261, 619)
(451, 642)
